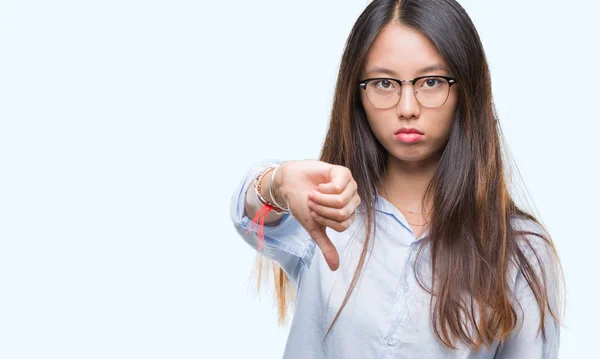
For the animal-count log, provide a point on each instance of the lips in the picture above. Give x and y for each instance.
(408, 135)
(408, 130)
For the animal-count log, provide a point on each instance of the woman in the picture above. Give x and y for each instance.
(423, 252)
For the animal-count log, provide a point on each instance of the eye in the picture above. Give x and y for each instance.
(384, 84)
(431, 82)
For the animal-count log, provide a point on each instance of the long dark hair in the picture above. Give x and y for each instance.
(472, 240)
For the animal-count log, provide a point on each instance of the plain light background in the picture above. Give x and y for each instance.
(125, 126)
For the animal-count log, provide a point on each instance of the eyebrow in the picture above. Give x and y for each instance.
(431, 68)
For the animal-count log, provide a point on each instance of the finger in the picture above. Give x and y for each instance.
(336, 214)
(330, 254)
(339, 178)
(338, 200)
(335, 225)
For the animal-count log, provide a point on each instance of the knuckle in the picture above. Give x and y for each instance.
(344, 225)
(349, 212)
(338, 202)
(348, 198)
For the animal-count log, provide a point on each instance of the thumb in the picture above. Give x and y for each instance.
(318, 234)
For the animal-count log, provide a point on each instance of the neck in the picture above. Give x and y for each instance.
(405, 182)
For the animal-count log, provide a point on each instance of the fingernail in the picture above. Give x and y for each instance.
(312, 194)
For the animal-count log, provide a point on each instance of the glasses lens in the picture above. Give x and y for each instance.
(383, 93)
(432, 91)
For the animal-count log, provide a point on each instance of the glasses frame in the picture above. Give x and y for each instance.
(363, 85)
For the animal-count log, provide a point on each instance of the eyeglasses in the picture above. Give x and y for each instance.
(430, 91)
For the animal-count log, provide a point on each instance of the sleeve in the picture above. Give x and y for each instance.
(527, 340)
(287, 243)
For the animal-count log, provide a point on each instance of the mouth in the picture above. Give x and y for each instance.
(408, 130)
(408, 135)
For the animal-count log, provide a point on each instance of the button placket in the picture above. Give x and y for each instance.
(406, 295)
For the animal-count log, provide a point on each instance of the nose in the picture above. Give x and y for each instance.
(408, 106)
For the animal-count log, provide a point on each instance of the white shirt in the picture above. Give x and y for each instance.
(388, 314)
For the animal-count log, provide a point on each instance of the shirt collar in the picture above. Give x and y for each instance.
(382, 205)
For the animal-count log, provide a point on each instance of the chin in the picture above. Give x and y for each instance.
(410, 158)
(415, 155)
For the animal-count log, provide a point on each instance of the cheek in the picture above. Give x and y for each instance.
(445, 117)
(365, 103)
(445, 130)
(446, 120)
(370, 112)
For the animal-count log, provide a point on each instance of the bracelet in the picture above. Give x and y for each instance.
(257, 189)
(285, 209)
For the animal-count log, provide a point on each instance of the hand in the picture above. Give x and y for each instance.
(319, 195)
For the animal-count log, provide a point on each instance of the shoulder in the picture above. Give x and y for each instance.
(535, 254)
(533, 239)
(538, 257)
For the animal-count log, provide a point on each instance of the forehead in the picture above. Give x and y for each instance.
(403, 50)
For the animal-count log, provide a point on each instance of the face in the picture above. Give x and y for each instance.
(402, 53)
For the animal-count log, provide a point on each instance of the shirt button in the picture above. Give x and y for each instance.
(391, 342)
(406, 288)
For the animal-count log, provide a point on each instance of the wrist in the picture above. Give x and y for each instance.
(264, 189)
(276, 186)
(265, 182)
